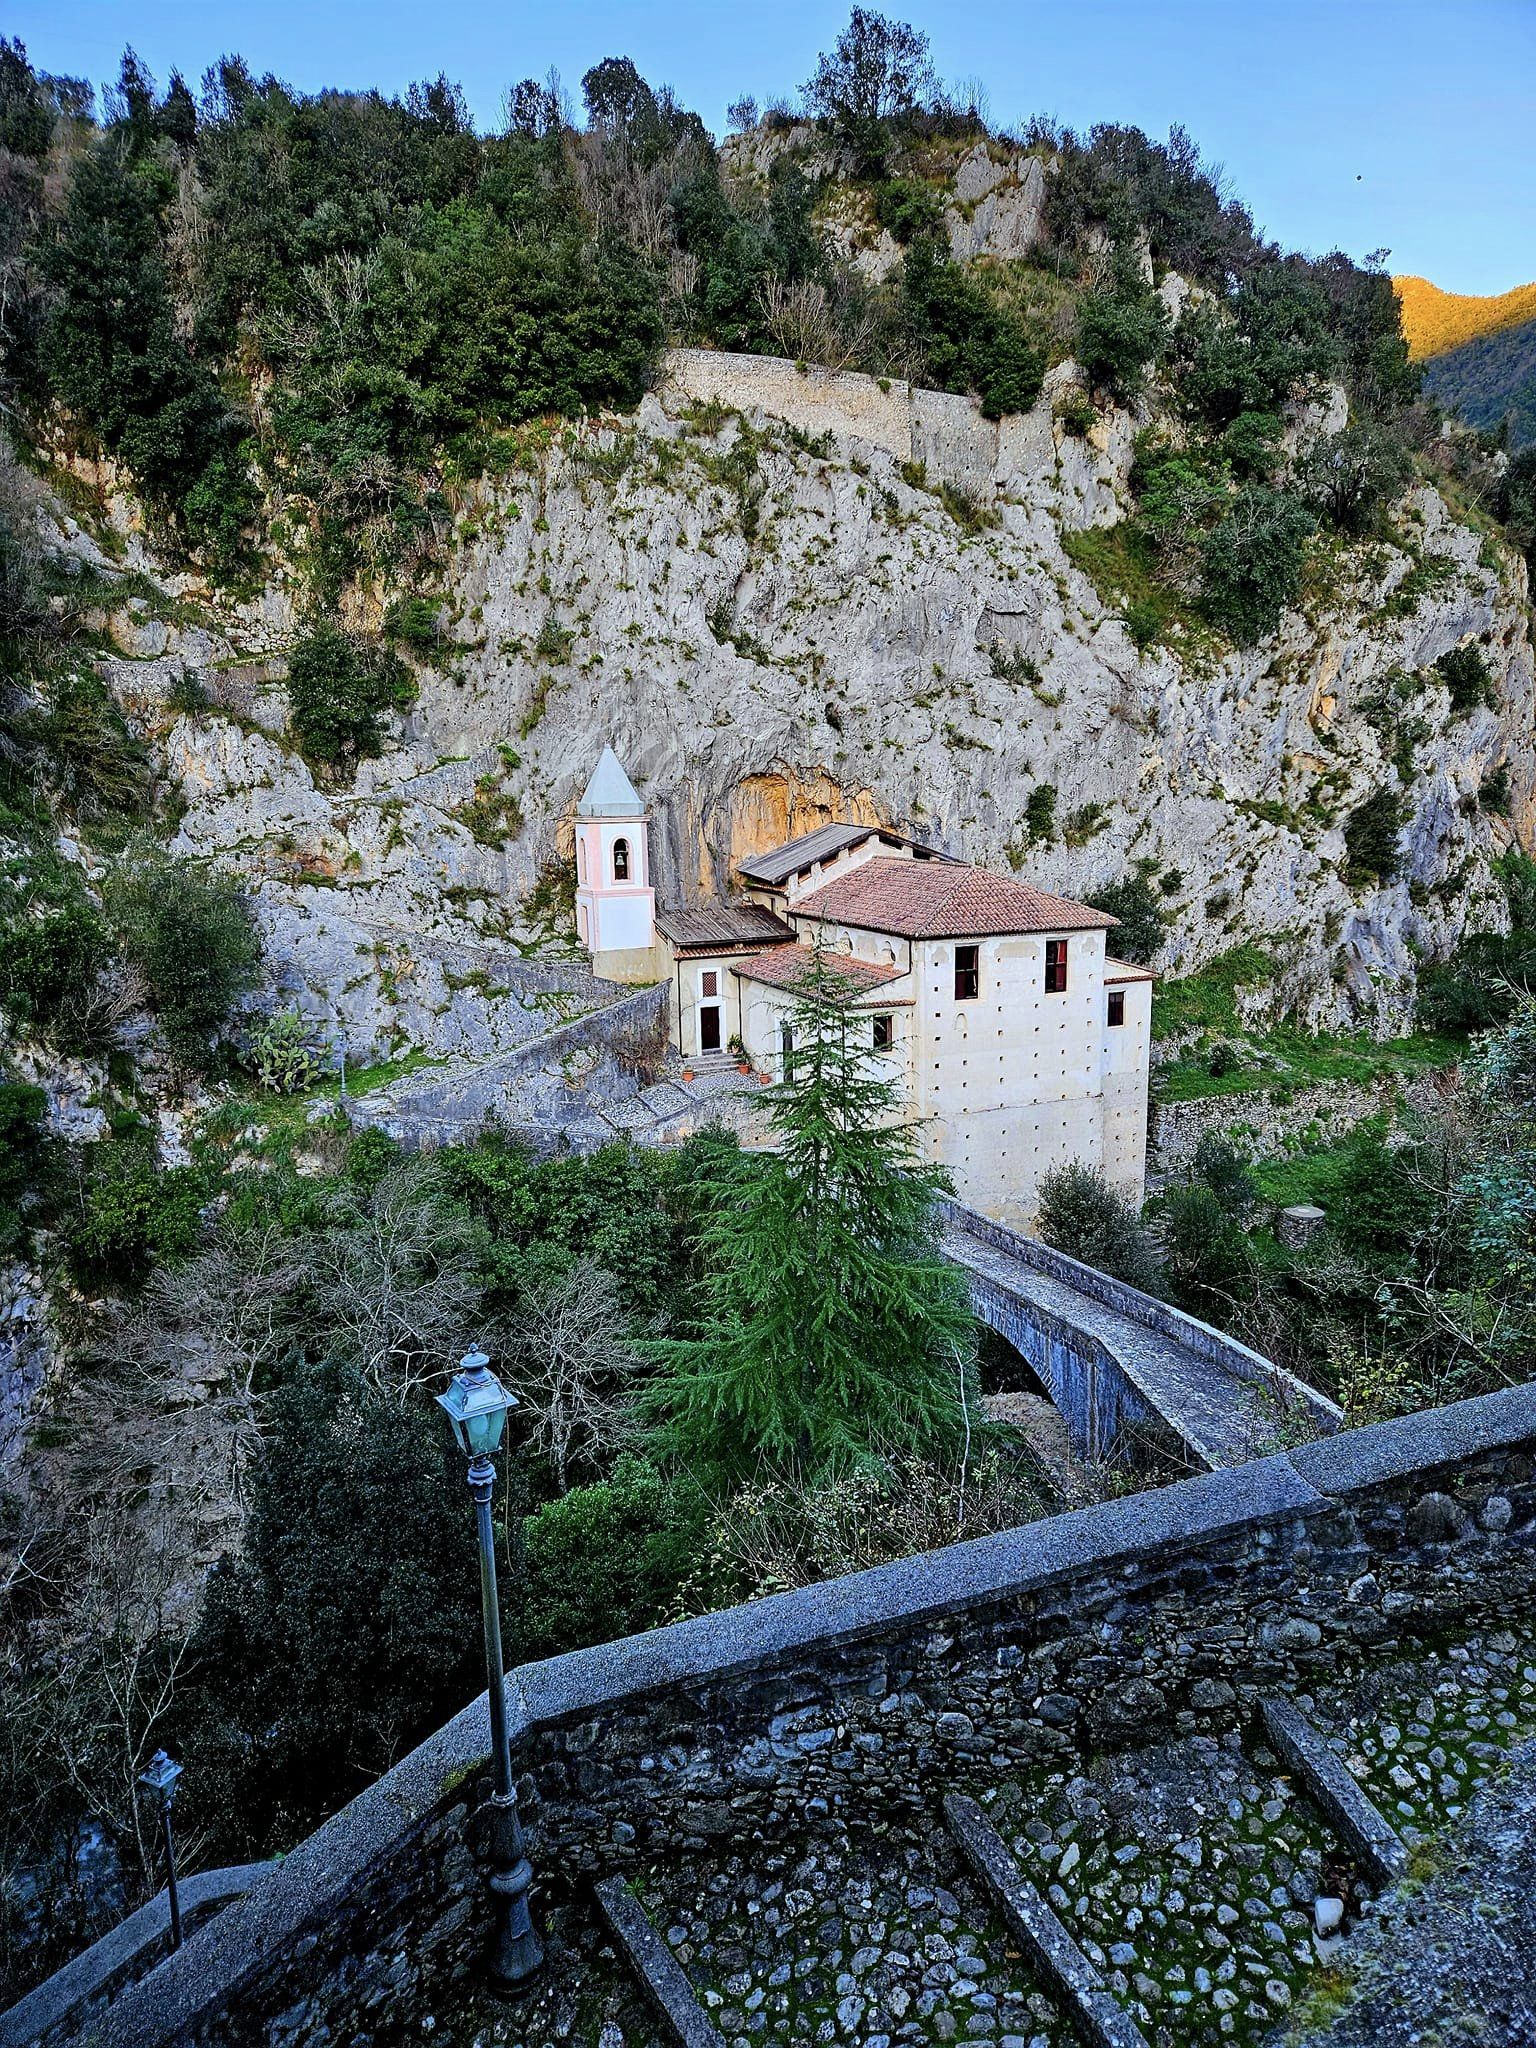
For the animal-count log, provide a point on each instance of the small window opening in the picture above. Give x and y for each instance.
(711, 985)
(1117, 1006)
(1055, 967)
(967, 973)
(885, 1034)
(621, 860)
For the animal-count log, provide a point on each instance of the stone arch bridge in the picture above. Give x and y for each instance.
(1116, 1362)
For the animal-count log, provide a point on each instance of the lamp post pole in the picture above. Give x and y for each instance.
(477, 1406)
(160, 1779)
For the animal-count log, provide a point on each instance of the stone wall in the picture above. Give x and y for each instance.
(1264, 1126)
(873, 409)
(1169, 1610)
(543, 1085)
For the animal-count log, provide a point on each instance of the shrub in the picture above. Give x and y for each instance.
(1371, 834)
(1352, 476)
(128, 1214)
(24, 1151)
(1467, 678)
(1122, 329)
(906, 208)
(1251, 563)
(1083, 1216)
(45, 961)
(1251, 445)
(1142, 918)
(191, 935)
(1040, 813)
(283, 1054)
(966, 341)
(350, 1624)
(339, 689)
(606, 1560)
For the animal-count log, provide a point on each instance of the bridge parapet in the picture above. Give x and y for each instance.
(1082, 1330)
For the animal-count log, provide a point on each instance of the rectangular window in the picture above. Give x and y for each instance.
(711, 982)
(1055, 967)
(967, 973)
(1117, 1006)
(885, 1035)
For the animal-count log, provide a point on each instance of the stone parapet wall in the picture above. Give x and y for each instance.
(1170, 1610)
(1203, 1339)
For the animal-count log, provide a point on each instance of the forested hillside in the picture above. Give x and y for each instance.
(1491, 382)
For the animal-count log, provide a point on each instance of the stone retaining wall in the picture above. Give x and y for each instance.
(1265, 1127)
(539, 1086)
(1167, 1610)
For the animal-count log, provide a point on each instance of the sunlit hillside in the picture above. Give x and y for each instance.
(1435, 321)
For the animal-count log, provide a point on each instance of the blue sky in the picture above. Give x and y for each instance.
(1405, 124)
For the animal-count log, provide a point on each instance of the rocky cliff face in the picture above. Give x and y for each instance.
(775, 627)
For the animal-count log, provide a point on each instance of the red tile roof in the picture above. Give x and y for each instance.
(919, 899)
(790, 966)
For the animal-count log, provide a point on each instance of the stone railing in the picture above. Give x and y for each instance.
(1203, 1340)
(1166, 1610)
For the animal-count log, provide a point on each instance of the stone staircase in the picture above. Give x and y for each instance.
(1161, 1897)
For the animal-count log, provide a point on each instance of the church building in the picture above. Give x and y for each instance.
(1018, 1041)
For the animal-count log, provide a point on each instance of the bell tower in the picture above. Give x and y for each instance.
(615, 904)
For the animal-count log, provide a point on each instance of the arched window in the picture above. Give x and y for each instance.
(621, 860)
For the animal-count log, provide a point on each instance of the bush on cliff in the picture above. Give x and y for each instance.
(340, 689)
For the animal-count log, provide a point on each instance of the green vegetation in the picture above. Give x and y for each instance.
(1141, 910)
(339, 690)
(190, 936)
(1083, 1216)
(831, 1329)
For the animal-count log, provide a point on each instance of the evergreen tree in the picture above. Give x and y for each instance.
(831, 1330)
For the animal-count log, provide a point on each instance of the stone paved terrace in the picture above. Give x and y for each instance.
(774, 1782)
(1187, 1871)
(1223, 1403)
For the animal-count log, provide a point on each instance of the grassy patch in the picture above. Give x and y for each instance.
(1207, 1001)
(1282, 1061)
(1123, 570)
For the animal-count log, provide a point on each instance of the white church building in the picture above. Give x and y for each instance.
(1018, 1041)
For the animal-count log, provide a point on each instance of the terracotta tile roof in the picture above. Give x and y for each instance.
(918, 899)
(789, 966)
(722, 926)
(1125, 970)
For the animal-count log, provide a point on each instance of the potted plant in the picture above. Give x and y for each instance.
(735, 1045)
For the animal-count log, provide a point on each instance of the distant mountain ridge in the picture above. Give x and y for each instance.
(1436, 322)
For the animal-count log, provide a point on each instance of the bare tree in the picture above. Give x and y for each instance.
(395, 1291)
(814, 325)
(574, 1361)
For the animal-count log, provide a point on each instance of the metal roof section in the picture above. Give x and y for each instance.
(720, 926)
(774, 868)
(610, 793)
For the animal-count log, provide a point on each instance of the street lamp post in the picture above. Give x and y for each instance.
(477, 1405)
(160, 1779)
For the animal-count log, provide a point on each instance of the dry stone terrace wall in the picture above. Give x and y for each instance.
(1167, 1611)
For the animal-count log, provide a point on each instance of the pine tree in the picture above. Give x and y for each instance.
(831, 1330)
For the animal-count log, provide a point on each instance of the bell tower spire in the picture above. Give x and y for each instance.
(615, 904)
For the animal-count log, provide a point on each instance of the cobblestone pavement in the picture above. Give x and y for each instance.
(1187, 1871)
(877, 1942)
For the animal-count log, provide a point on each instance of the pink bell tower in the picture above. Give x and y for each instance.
(615, 903)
